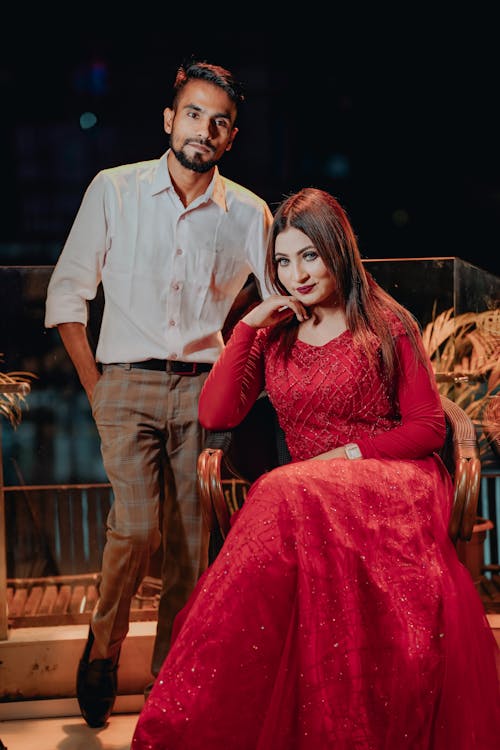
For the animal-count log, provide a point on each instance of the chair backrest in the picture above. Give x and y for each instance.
(460, 454)
(232, 460)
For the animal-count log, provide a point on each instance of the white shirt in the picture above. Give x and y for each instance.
(169, 274)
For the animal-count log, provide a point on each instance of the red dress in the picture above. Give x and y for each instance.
(337, 614)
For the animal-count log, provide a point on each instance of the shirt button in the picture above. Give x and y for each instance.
(171, 323)
(175, 286)
(178, 251)
(172, 356)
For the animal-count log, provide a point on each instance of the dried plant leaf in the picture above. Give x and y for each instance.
(436, 332)
(489, 323)
(14, 387)
(465, 355)
(494, 378)
(492, 423)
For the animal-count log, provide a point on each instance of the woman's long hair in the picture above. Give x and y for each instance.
(367, 306)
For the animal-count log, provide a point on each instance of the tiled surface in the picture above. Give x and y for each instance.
(68, 733)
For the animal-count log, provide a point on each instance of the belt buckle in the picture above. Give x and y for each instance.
(182, 368)
(192, 371)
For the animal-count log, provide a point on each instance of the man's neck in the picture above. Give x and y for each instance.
(187, 184)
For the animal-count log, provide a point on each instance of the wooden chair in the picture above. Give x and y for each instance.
(232, 460)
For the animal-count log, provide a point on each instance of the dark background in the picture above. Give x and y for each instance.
(393, 110)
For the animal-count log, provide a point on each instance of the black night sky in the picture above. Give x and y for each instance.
(393, 111)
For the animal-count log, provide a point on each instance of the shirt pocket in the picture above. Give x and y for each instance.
(221, 275)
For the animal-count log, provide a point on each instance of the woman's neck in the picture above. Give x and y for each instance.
(323, 325)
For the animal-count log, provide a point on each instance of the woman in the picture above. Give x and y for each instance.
(337, 614)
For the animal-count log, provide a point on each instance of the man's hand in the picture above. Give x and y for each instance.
(76, 343)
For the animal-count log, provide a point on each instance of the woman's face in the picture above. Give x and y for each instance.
(301, 270)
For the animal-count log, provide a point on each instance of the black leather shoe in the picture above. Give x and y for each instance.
(96, 686)
(147, 691)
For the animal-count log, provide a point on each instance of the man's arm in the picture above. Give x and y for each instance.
(76, 343)
(257, 248)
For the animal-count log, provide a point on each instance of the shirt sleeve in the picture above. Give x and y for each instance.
(422, 429)
(257, 238)
(77, 273)
(234, 383)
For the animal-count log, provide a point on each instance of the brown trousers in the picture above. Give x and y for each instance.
(150, 442)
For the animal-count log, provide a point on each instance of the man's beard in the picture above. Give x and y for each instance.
(193, 164)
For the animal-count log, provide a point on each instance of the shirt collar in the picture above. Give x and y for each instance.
(216, 191)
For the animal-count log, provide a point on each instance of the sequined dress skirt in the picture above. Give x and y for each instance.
(337, 615)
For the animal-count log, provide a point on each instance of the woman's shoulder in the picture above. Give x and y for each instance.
(400, 326)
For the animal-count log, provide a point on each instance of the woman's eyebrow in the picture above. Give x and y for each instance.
(297, 252)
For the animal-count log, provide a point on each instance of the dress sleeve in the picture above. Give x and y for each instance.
(235, 381)
(422, 429)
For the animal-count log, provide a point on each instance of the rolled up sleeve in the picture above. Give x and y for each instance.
(77, 273)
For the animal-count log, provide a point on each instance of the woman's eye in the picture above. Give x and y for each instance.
(282, 261)
(310, 256)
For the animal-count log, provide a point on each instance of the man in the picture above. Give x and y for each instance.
(173, 243)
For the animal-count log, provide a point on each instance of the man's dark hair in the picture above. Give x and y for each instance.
(204, 71)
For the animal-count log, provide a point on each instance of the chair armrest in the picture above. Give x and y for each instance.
(466, 471)
(231, 461)
(203, 480)
(217, 447)
(222, 491)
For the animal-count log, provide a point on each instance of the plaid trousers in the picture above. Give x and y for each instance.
(150, 442)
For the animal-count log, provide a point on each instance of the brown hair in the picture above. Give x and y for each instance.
(367, 306)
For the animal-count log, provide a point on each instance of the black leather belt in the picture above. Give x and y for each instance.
(172, 365)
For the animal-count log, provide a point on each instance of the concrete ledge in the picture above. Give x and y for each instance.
(40, 663)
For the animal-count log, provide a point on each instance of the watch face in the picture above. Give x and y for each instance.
(352, 451)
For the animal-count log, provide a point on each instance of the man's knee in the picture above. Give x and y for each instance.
(150, 539)
(139, 539)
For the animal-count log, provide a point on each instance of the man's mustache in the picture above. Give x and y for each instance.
(200, 142)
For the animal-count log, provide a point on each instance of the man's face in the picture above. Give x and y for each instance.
(201, 127)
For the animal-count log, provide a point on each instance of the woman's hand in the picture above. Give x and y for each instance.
(275, 309)
(339, 452)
